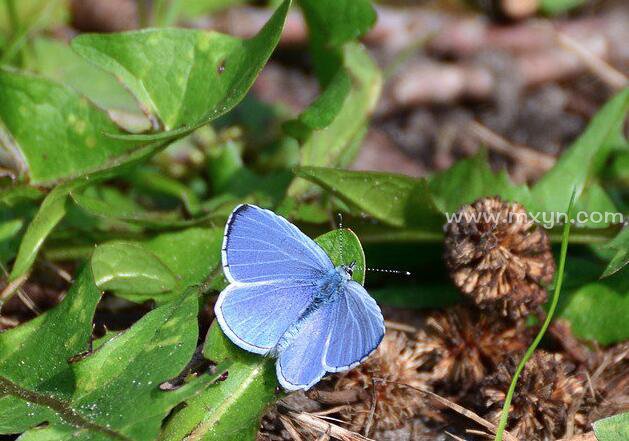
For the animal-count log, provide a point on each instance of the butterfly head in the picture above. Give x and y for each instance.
(349, 269)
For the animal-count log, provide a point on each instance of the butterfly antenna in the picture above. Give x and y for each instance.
(339, 220)
(389, 271)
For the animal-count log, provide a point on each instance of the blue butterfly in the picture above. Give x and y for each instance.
(287, 300)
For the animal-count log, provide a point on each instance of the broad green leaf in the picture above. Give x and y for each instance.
(99, 86)
(583, 159)
(232, 411)
(329, 146)
(185, 77)
(52, 132)
(339, 21)
(130, 268)
(613, 428)
(343, 247)
(25, 366)
(192, 254)
(471, 179)
(598, 310)
(110, 394)
(396, 200)
(159, 268)
(52, 210)
(620, 245)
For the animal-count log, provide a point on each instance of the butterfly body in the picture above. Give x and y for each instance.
(287, 300)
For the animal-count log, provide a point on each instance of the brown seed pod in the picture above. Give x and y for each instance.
(383, 376)
(499, 257)
(462, 346)
(546, 391)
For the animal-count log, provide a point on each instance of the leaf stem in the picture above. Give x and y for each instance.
(504, 416)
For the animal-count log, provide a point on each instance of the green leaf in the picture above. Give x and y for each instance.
(232, 411)
(192, 254)
(598, 310)
(75, 71)
(621, 245)
(52, 210)
(40, 117)
(129, 268)
(159, 268)
(343, 247)
(323, 110)
(396, 200)
(111, 394)
(583, 159)
(336, 144)
(471, 179)
(26, 367)
(184, 77)
(339, 21)
(612, 428)
(555, 7)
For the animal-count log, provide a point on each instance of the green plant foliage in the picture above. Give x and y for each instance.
(159, 268)
(598, 310)
(116, 207)
(470, 179)
(612, 428)
(186, 78)
(620, 246)
(584, 158)
(339, 21)
(336, 144)
(41, 116)
(343, 247)
(99, 86)
(554, 7)
(130, 268)
(50, 213)
(110, 394)
(233, 410)
(396, 200)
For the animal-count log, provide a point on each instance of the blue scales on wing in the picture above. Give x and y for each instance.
(274, 269)
(356, 330)
(260, 246)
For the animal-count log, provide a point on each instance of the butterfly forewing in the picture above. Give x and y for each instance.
(260, 246)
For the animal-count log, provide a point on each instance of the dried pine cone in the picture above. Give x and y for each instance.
(461, 346)
(547, 388)
(396, 362)
(499, 257)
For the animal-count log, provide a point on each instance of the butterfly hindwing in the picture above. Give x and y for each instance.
(260, 246)
(299, 365)
(255, 316)
(356, 329)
